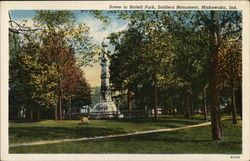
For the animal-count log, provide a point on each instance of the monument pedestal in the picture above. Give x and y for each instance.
(105, 110)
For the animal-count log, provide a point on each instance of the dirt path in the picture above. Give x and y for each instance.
(107, 136)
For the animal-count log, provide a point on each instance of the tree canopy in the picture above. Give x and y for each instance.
(45, 65)
(180, 62)
(168, 59)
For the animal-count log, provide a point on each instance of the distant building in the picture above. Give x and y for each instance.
(159, 111)
(85, 109)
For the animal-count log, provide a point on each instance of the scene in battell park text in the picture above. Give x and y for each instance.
(125, 81)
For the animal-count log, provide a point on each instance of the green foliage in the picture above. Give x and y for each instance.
(45, 65)
(155, 52)
(221, 28)
(170, 50)
(101, 16)
(95, 96)
(162, 56)
(76, 35)
(18, 74)
(54, 18)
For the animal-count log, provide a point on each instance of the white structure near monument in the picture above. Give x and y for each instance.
(106, 107)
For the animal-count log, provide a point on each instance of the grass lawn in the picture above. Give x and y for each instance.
(194, 140)
(52, 130)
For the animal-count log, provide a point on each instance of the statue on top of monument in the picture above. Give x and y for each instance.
(105, 42)
(104, 45)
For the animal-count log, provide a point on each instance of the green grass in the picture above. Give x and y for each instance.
(52, 130)
(194, 140)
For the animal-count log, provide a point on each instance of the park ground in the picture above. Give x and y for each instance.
(196, 140)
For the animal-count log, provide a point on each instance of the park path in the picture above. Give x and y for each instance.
(108, 136)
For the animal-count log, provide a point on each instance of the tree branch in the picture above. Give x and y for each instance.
(21, 28)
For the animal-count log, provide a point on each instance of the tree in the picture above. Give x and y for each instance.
(230, 69)
(143, 59)
(123, 75)
(16, 89)
(62, 37)
(221, 27)
(174, 52)
(191, 59)
(49, 62)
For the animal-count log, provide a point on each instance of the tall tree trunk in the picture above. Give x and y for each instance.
(239, 100)
(59, 102)
(192, 107)
(156, 101)
(173, 107)
(31, 115)
(188, 109)
(129, 101)
(205, 104)
(213, 79)
(60, 107)
(182, 106)
(233, 105)
(56, 112)
(70, 112)
(38, 116)
(233, 102)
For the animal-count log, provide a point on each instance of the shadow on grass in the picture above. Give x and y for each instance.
(151, 120)
(161, 137)
(23, 121)
(183, 117)
(52, 133)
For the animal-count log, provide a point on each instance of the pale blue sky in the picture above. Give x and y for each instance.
(97, 29)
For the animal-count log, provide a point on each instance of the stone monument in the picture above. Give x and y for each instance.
(106, 107)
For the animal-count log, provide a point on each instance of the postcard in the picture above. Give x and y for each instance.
(125, 80)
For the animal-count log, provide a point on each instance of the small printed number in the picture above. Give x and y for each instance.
(235, 157)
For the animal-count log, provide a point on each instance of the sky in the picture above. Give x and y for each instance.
(97, 30)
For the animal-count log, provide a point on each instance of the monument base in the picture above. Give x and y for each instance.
(105, 110)
(105, 115)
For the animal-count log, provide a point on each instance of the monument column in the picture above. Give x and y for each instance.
(105, 88)
(106, 107)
